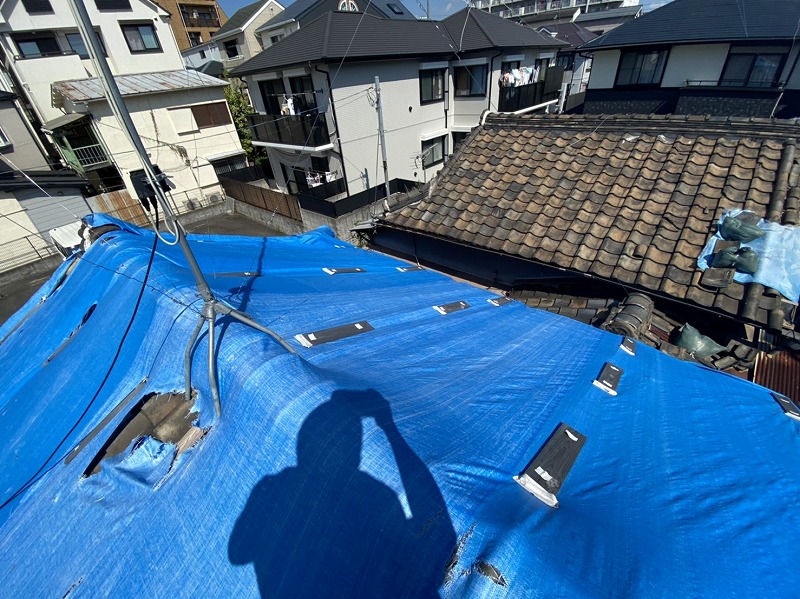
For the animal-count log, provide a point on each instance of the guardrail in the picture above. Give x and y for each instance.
(24, 251)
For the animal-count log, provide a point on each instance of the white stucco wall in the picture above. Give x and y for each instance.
(697, 62)
(604, 69)
(192, 57)
(181, 151)
(36, 74)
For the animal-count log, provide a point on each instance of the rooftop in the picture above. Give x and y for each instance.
(87, 90)
(333, 36)
(627, 199)
(374, 451)
(707, 21)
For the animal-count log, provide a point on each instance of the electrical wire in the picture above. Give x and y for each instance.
(41, 472)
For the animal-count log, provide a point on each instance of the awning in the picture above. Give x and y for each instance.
(63, 121)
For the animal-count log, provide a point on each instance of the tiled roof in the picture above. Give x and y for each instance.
(706, 21)
(239, 19)
(572, 33)
(337, 35)
(626, 199)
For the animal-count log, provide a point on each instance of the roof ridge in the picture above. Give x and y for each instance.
(482, 28)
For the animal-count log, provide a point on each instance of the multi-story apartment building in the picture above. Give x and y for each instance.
(316, 111)
(193, 21)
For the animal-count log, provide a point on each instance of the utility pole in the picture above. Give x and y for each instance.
(379, 108)
(211, 306)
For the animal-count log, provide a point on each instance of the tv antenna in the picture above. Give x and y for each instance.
(211, 305)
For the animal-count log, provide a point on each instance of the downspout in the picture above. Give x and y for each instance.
(491, 82)
(336, 126)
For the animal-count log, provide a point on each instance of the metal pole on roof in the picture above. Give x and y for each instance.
(211, 305)
(379, 108)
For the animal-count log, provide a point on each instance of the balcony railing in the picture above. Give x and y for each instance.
(533, 94)
(90, 155)
(318, 192)
(307, 130)
(212, 22)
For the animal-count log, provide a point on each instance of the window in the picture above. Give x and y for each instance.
(37, 6)
(211, 115)
(195, 38)
(35, 46)
(507, 67)
(272, 94)
(141, 38)
(113, 4)
(276, 38)
(348, 6)
(303, 94)
(4, 141)
(231, 49)
(395, 9)
(641, 68)
(203, 54)
(77, 46)
(753, 67)
(224, 166)
(433, 151)
(431, 86)
(471, 81)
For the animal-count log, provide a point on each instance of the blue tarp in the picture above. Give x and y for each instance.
(379, 465)
(778, 256)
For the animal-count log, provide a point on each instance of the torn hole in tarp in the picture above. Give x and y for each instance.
(159, 426)
(72, 334)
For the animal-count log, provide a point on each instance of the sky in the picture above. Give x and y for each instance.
(439, 8)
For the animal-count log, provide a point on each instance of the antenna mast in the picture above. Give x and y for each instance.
(211, 305)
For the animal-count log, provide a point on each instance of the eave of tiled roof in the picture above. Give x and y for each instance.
(631, 200)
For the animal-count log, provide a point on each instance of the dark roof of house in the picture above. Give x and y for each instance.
(333, 36)
(10, 180)
(627, 199)
(698, 21)
(299, 8)
(624, 13)
(478, 30)
(572, 33)
(239, 18)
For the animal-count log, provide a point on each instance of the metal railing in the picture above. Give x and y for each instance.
(90, 155)
(200, 22)
(24, 251)
(318, 192)
(306, 130)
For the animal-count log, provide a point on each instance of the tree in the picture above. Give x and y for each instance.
(240, 108)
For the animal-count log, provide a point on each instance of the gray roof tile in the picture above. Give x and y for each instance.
(600, 218)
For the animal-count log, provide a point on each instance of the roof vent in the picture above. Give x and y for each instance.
(334, 334)
(545, 473)
(339, 271)
(451, 307)
(609, 378)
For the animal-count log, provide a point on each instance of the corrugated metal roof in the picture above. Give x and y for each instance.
(779, 372)
(86, 90)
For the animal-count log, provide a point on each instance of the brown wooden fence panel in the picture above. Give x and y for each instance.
(261, 197)
(121, 205)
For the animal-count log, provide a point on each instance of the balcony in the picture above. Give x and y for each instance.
(307, 131)
(317, 192)
(208, 22)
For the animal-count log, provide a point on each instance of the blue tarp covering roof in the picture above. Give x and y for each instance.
(377, 465)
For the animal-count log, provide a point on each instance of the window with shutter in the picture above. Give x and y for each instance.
(37, 6)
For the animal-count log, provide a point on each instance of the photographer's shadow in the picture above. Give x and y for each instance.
(326, 529)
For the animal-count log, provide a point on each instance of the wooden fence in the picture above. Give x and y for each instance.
(261, 197)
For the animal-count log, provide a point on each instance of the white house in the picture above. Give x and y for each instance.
(181, 115)
(316, 105)
(236, 39)
(700, 57)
